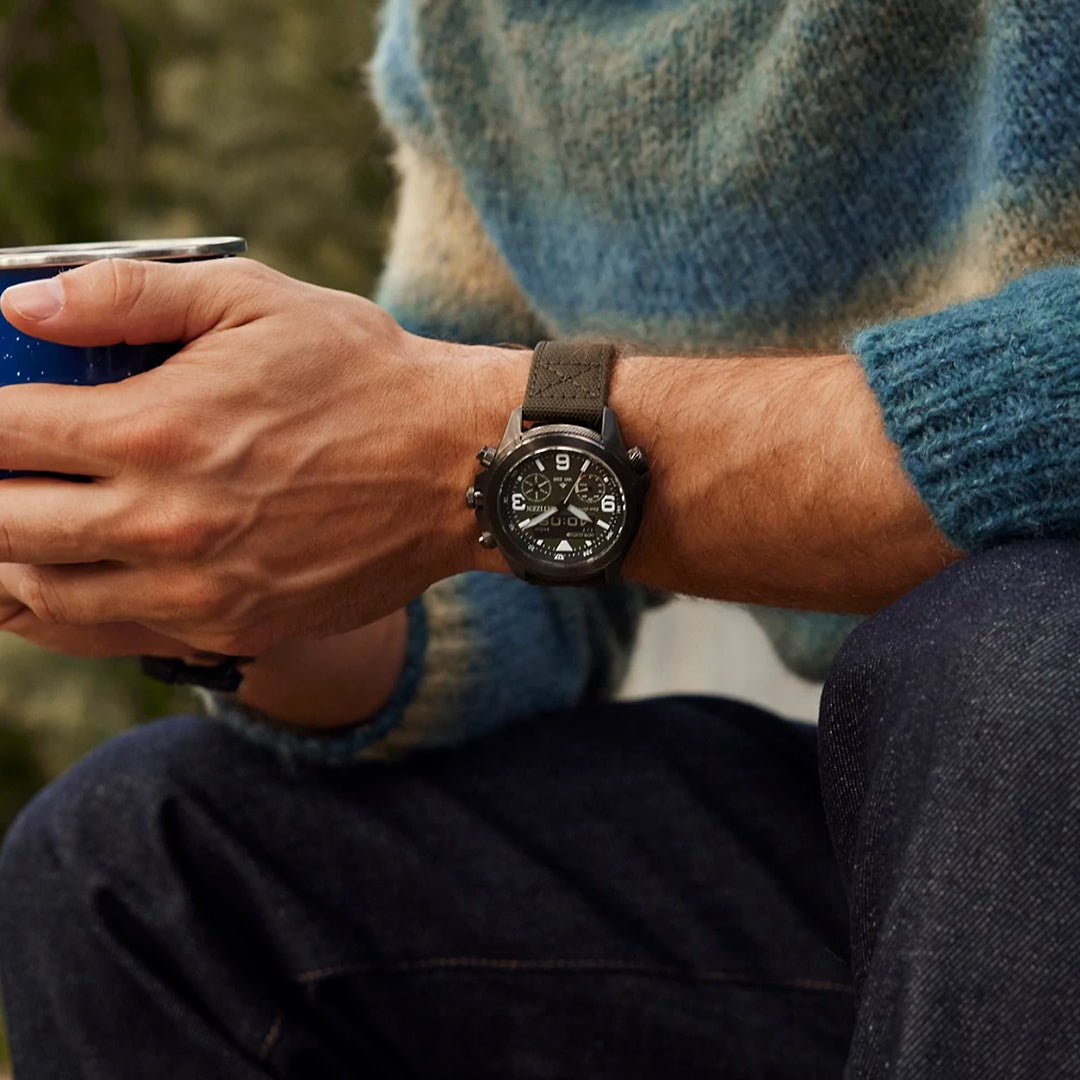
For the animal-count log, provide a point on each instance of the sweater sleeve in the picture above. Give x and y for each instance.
(483, 650)
(983, 400)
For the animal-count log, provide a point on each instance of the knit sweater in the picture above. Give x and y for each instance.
(896, 178)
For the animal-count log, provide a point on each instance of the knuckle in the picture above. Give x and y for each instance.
(172, 537)
(247, 281)
(127, 280)
(151, 440)
(40, 595)
(7, 544)
(189, 540)
(200, 601)
(252, 270)
(215, 610)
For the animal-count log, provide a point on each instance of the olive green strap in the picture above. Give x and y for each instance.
(568, 383)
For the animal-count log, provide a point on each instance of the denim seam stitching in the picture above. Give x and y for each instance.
(582, 966)
(271, 1036)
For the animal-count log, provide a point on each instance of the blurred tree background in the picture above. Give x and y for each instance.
(127, 119)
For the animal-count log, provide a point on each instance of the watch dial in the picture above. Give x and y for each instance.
(563, 505)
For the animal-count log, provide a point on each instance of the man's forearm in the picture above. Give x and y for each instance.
(773, 481)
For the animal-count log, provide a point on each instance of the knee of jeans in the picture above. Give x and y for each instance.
(990, 645)
(94, 821)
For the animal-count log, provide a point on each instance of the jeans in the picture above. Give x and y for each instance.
(656, 889)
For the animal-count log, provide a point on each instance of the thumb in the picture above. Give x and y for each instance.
(135, 302)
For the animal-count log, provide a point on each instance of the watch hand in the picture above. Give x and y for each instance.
(550, 512)
(580, 514)
(569, 489)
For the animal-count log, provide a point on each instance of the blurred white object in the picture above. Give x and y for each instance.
(704, 647)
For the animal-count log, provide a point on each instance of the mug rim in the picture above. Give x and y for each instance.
(53, 255)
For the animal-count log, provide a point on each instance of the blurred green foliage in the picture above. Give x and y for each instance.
(127, 119)
(300, 144)
(120, 118)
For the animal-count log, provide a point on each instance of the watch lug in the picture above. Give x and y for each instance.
(610, 434)
(512, 432)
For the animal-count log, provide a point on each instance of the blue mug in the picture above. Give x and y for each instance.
(27, 359)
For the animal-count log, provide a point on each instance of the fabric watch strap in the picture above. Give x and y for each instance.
(568, 383)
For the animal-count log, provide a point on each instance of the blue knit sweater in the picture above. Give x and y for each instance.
(698, 176)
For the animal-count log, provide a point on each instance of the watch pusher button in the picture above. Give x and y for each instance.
(486, 456)
(636, 456)
(487, 540)
(474, 499)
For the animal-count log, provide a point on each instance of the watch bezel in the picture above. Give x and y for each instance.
(606, 446)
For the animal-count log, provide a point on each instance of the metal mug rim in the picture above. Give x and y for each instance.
(54, 255)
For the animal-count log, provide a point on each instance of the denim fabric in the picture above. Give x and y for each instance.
(626, 891)
(951, 773)
(636, 890)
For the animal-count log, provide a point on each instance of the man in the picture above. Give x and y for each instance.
(605, 891)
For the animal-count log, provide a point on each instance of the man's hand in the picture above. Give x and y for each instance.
(110, 639)
(317, 684)
(296, 470)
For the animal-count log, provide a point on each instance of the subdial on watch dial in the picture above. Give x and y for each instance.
(589, 489)
(536, 488)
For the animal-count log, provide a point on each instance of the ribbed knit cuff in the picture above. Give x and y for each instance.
(484, 650)
(497, 650)
(983, 400)
(335, 747)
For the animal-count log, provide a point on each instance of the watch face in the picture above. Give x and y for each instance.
(563, 505)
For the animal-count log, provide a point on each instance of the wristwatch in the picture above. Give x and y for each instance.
(562, 497)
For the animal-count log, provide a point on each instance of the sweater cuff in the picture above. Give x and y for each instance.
(335, 747)
(983, 400)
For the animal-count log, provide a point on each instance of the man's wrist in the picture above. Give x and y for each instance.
(492, 384)
(328, 683)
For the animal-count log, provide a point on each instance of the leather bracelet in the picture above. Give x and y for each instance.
(224, 675)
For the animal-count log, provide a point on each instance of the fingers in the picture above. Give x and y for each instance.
(63, 429)
(112, 639)
(138, 301)
(95, 594)
(75, 429)
(49, 521)
(116, 638)
(74, 596)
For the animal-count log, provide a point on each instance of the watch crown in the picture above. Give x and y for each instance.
(486, 455)
(474, 499)
(487, 540)
(636, 456)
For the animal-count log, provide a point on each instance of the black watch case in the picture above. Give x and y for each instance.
(629, 467)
